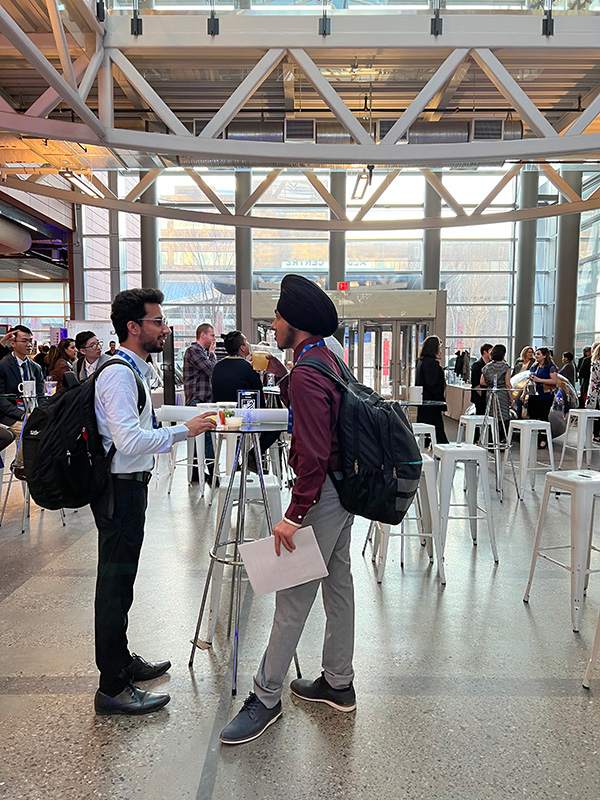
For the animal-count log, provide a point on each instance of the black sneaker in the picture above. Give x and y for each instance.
(251, 721)
(320, 691)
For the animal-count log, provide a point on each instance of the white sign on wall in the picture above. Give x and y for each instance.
(102, 328)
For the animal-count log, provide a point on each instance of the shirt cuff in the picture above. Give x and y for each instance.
(295, 524)
(179, 433)
(295, 514)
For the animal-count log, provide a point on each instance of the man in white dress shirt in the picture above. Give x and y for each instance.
(121, 510)
(89, 348)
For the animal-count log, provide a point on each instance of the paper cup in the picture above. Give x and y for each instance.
(415, 394)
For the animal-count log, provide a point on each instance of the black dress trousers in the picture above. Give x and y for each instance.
(120, 540)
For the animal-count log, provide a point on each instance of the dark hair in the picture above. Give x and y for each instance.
(49, 357)
(60, 351)
(430, 347)
(129, 306)
(568, 355)
(22, 328)
(587, 349)
(547, 355)
(233, 341)
(204, 328)
(82, 338)
(485, 348)
(498, 352)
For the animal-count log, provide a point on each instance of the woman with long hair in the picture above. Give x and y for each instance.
(544, 375)
(65, 355)
(593, 395)
(430, 376)
(525, 361)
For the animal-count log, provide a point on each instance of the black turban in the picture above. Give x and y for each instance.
(305, 306)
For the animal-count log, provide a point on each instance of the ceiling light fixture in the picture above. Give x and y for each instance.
(79, 182)
(137, 24)
(35, 274)
(360, 187)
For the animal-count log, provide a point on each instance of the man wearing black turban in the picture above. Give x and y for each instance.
(304, 316)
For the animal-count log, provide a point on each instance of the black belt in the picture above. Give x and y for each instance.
(140, 477)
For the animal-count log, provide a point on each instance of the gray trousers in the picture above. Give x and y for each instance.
(332, 526)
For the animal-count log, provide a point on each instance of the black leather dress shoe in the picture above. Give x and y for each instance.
(131, 700)
(142, 670)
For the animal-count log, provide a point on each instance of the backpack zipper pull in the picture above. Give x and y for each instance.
(84, 433)
(356, 467)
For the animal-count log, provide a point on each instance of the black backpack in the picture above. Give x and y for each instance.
(64, 458)
(380, 459)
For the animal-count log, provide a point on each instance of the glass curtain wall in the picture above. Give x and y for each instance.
(588, 301)
(39, 306)
(198, 259)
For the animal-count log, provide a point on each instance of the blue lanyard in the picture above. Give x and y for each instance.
(134, 366)
(320, 343)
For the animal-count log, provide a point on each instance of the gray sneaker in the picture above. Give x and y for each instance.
(320, 691)
(250, 722)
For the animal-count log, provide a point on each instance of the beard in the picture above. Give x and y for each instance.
(151, 345)
(286, 337)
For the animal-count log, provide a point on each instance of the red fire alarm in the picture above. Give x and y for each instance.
(343, 286)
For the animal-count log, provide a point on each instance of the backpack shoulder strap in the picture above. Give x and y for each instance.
(323, 368)
(140, 383)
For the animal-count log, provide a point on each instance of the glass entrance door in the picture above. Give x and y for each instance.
(388, 354)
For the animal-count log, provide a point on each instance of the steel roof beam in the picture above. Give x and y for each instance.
(330, 97)
(278, 223)
(143, 88)
(61, 43)
(432, 87)
(510, 89)
(41, 64)
(208, 191)
(253, 81)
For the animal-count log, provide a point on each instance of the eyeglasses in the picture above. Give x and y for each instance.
(158, 321)
(94, 346)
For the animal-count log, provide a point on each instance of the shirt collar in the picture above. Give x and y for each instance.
(142, 365)
(20, 361)
(302, 345)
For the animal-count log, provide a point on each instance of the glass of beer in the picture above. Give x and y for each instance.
(260, 353)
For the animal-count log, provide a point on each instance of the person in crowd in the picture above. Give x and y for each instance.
(5, 344)
(303, 317)
(40, 357)
(543, 374)
(6, 437)
(220, 349)
(496, 373)
(430, 376)
(198, 363)
(120, 510)
(64, 358)
(583, 371)
(525, 361)
(112, 346)
(568, 367)
(49, 359)
(234, 372)
(592, 400)
(479, 398)
(15, 368)
(89, 348)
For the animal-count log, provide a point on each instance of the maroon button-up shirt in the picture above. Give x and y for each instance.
(315, 402)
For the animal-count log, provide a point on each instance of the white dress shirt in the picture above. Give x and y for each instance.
(116, 404)
(88, 368)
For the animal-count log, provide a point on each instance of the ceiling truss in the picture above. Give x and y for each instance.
(100, 69)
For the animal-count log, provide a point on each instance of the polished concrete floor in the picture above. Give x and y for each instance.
(464, 692)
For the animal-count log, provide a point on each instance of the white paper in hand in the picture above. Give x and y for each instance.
(268, 572)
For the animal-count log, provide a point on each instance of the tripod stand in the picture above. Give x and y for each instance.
(493, 423)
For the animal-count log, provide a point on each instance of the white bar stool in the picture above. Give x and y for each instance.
(585, 418)
(473, 457)
(528, 431)
(584, 487)
(421, 430)
(178, 414)
(427, 499)
(467, 425)
(253, 495)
